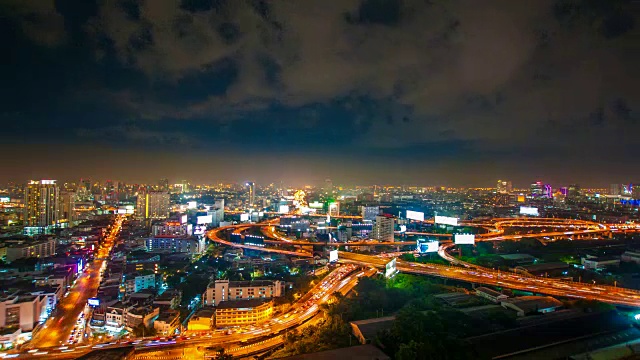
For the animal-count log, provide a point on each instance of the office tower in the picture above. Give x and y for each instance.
(185, 186)
(504, 187)
(548, 191)
(163, 185)
(252, 193)
(537, 189)
(383, 228)
(370, 212)
(634, 190)
(573, 191)
(68, 207)
(153, 205)
(616, 189)
(41, 203)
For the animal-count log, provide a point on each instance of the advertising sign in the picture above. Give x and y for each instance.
(333, 255)
(526, 210)
(427, 246)
(446, 220)
(415, 215)
(464, 239)
(390, 268)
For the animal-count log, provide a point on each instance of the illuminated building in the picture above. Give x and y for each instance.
(41, 203)
(153, 205)
(537, 189)
(135, 282)
(369, 212)
(504, 187)
(167, 323)
(242, 312)
(225, 290)
(23, 311)
(202, 320)
(383, 228)
(68, 207)
(175, 244)
(172, 228)
(334, 208)
(21, 249)
(573, 191)
(548, 191)
(163, 185)
(252, 193)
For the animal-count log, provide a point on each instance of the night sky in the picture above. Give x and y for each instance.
(360, 91)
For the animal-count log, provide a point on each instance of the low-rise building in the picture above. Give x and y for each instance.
(225, 290)
(135, 282)
(167, 323)
(23, 311)
(28, 248)
(599, 262)
(526, 305)
(242, 312)
(175, 244)
(490, 295)
(202, 320)
(141, 315)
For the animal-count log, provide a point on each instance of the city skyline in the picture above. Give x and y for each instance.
(426, 91)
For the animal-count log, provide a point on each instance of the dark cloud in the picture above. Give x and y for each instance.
(376, 78)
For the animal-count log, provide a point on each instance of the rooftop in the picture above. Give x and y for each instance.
(534, 303)
(250, 303)
(489, 291)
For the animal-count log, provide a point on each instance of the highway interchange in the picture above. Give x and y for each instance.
(49, 341)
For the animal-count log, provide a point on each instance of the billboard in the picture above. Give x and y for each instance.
(244, 217)
(204, 219)
(526, 210)
(415, 215)
(199, 230)
(390, 268)
(283, 209)
(192, 204)
(93, 302)
(464, 239)
(427, 246)
(316, 205)
(333, 255)
(446, 220)
(403, 228)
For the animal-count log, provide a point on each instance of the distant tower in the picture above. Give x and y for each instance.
(503, 187)
(252, 193)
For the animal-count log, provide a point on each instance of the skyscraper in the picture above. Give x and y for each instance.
(41, 203)
(504, 187)
(153, 205)
(68, 207)
(328, 186)
(252, 193)
(537, 189)
(163, 185)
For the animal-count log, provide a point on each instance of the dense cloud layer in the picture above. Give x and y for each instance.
(503, 80)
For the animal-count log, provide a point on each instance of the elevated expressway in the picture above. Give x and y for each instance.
(462, 271)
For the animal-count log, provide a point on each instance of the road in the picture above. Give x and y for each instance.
(534, 284)
(342, 279)
(58, 327)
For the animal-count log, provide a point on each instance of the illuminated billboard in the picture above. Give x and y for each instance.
(464, 239)
(446, 220)
(183, 219)
(390, 268)
(204, 219)
(333, 255)
(427, 246)
(244, 217)
(526, 210)
(283, 209)
(316, 205)
(415, 215)
(199, 230)
(93, 302)
(192, 205)
(403, 228)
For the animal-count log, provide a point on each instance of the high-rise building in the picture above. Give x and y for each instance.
(383, 228)
(163, 185)
(548, 191)
(504, 187)
(153, 205)
(68, 207)
(537, 189)
(573, 191)
(616, 189)
(41, 203)
(634, 190)
(370, 212)
(251, 187)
